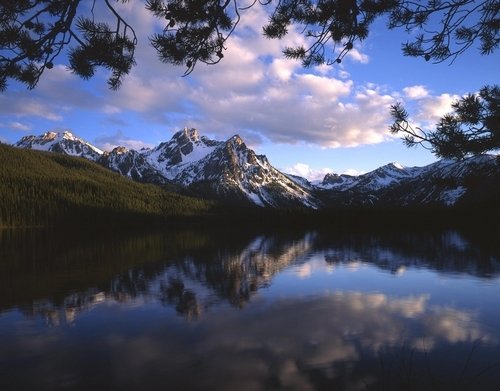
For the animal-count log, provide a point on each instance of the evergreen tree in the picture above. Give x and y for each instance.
(472, 128)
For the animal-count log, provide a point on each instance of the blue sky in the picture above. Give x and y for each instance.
(307, 121)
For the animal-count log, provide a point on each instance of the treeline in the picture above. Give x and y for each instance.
(49, 189)
(39, 188)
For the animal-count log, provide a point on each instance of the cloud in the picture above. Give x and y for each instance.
(253, 91)
(355, 55)
(107, 143)
(434, 107)
(416, 92)
(20, 104)
(308, 108)
(19, 126)
(305, 171)
(426, 110)
(57, 93)
(283, 69)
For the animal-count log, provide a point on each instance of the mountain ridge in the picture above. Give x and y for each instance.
(231, 172)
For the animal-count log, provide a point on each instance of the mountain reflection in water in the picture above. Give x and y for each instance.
(220, 310)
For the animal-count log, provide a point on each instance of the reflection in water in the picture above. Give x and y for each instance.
(313, 311)
(448, 252)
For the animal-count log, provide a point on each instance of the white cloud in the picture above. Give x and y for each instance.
(282, 68)
(355, 55)
(305, 171)
(425, 110)
(295, 108)
(344, 74)
(434, 107)
(254, 91)
(416, 92)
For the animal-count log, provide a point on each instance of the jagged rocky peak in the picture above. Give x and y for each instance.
(239, 154)
(236, 139)
(186, 135)
(120, 150)
(67, 135)
(48, 136)
(62, 135)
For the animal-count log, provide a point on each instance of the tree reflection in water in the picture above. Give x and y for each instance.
(245, 319)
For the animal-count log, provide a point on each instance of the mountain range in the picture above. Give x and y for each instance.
(230, 172)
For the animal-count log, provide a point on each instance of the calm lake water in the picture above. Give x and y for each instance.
(250, 311)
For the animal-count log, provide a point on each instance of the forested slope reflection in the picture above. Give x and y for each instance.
(193, 270)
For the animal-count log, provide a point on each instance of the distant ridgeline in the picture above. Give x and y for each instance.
(40, 188)
(49, 187)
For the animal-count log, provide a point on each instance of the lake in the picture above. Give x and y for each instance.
(240, 309)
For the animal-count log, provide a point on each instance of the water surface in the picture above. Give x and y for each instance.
(226, 310)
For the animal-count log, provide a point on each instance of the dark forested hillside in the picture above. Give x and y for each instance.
(38, 188)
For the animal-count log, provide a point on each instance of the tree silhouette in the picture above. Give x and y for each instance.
(472, 128)
(33, 33)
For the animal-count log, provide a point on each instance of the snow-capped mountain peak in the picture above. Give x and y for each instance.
(62, 142)
(189, 134)
(185, 146)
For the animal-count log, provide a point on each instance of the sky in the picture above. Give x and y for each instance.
(307, 122)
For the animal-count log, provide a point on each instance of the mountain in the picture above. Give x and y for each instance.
(444, 183)
(231, 172)
(223, 170)
(234, 172)
(61, 142)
